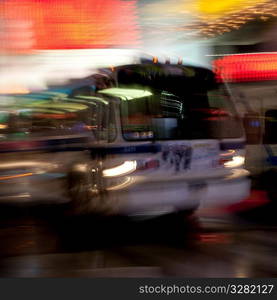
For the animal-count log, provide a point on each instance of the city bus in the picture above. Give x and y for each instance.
(159, 139)
(173, 142)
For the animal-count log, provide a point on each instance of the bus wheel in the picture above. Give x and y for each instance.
(84, 188)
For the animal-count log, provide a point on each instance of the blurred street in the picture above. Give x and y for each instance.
(41, 241)
(129, 109)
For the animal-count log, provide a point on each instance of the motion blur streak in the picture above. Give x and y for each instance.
(15, 176)
(125, 183)
(71, 24)
(222, 7)
(126, 168)
(13, 90)
(236, 161)
(246, 67)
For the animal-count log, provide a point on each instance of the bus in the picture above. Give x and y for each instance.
(173, 142)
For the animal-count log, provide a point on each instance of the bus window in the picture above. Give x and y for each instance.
(13, 125)
(164, 115)
(213, 115)
(136, 119)
(45, 122)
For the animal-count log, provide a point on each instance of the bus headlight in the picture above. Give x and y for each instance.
(234, 162)
(127, 167)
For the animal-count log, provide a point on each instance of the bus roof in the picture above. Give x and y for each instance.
(178, 79)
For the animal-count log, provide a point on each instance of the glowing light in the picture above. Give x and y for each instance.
(81, 167)
(217, 17)
(205, 18)
(27, 164)
(246, 67)
(216, 7)
(69, 24)
(237, 161)
(126, 168)
(15, 176)
(122, 185)
(126, 94)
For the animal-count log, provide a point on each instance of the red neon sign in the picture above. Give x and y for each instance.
(246, 67)
(69, 24)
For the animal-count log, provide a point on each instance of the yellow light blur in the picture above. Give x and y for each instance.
(126, 168)
(220, 16)
(3, 126)
(222, 7)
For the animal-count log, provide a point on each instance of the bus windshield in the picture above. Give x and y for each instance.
(183, 103)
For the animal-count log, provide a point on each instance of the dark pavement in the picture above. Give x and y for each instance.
(42, 241)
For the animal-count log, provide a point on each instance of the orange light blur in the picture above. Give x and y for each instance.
(155, 59)
(68, 24)
(15, 176)
(14, 89)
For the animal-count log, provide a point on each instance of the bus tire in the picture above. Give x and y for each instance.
(84, 188)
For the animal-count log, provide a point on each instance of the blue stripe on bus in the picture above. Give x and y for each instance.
(66, 144)
(74, 144)
(149, 148)
(70, 144)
